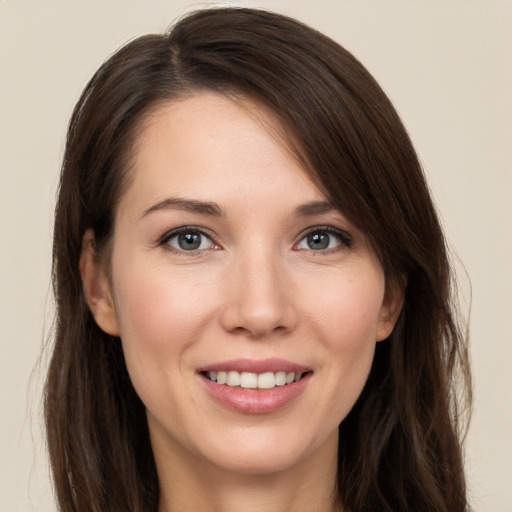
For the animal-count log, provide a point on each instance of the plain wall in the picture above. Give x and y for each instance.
(445, 64)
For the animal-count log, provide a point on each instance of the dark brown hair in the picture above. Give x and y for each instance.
(399, 447)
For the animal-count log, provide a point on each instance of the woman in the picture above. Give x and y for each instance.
(253, 291)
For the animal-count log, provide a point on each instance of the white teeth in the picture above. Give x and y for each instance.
(280, 378)
(267, 380)
(249, 380)
(233, 379)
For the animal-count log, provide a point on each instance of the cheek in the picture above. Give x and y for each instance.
(157, 306)
(348, 310)
(346, 316)
(161, 315)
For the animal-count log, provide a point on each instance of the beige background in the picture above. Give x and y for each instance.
(445, 64)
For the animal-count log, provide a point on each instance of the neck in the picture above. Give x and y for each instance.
(199, 486)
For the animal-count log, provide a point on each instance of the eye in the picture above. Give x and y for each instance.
(188, 240)
(324, 239)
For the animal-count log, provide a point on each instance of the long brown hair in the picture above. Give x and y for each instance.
(399, 448)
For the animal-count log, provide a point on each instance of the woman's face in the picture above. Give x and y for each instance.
(229, 264)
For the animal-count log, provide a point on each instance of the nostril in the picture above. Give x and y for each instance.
(259, 331)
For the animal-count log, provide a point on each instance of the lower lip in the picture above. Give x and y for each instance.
(254, 401)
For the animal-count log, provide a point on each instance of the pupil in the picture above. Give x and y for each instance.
(189, 241)
(318, 241)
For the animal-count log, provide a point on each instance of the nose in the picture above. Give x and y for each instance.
(258, 298)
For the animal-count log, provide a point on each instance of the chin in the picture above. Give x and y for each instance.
(268, 452)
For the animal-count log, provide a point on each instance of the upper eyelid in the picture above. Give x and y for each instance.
(183, 229)
(330, 229)
(345, 236)
(346, 240)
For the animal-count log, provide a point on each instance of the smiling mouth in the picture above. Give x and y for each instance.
(249, 380)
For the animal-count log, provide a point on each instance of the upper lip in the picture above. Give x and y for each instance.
(255, 366)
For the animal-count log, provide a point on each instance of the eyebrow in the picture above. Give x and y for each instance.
(213, 209)
(314, 208)
(187, 205)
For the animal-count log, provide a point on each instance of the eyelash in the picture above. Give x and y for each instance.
(164, 241)
(344, 238)
(346, 241)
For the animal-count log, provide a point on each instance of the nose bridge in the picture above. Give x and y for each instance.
(258, 296)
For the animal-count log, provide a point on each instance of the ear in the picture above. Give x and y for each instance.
(391, 308)
(97, 287)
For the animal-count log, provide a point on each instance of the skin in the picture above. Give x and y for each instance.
(255, 288)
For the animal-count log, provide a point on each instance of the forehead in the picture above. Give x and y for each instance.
(211, 144)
